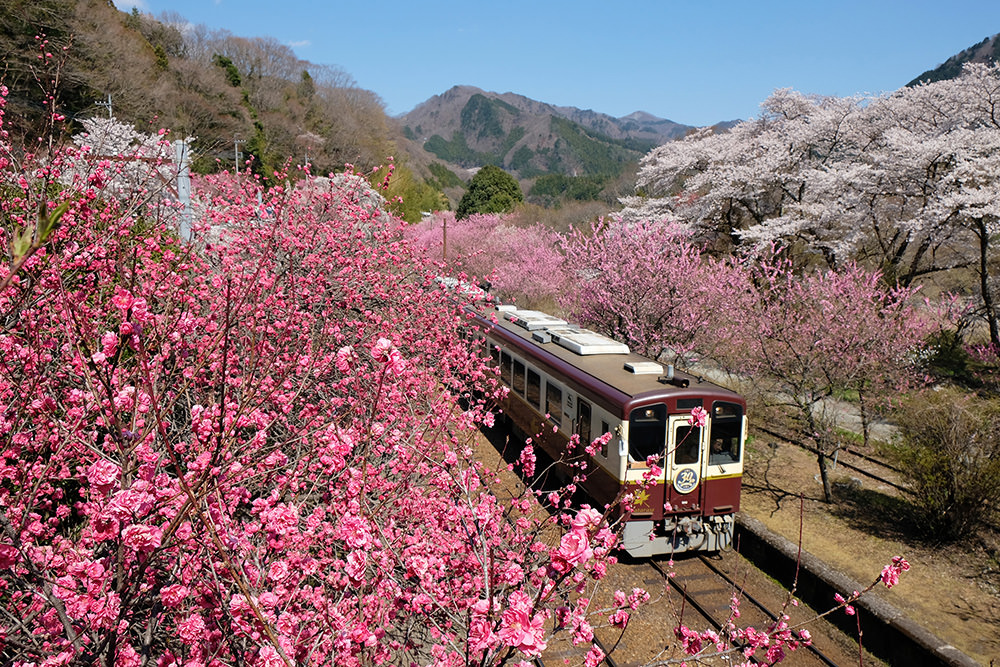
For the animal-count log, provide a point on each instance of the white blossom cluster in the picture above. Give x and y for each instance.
(908, 182)
(123, 161)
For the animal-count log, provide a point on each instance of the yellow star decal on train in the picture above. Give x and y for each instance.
(641, 497)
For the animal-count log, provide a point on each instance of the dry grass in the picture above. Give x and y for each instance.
(952, 590)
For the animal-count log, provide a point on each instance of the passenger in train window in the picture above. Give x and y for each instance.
(722, 451)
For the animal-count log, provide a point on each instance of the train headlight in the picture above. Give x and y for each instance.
(725, 410)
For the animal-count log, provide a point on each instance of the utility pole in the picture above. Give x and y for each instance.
(182, 155)
(236, 148)
(105, 104)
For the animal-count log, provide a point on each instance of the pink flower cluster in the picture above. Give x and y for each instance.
(699, 417)
(522, 626)
(845, 603)
(575, 546)
(891, 572)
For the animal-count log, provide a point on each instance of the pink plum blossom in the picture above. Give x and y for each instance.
(520, 628)
(699, 417)
(891, 572)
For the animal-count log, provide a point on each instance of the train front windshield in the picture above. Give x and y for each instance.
(647, 432)
(726, 433)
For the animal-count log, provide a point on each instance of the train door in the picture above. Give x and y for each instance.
(599, 481)
(583, 422)
(685, 465)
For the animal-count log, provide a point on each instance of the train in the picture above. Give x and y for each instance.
(564, 379)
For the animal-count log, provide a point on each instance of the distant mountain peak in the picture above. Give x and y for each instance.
(641, 117)
(470, 127)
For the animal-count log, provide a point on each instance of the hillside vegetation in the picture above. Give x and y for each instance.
(251, 99)
(986, 51)
(231, 93)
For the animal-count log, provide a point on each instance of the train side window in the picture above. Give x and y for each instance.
(647, 432)
(553, 402)
(506, 364)
(605, 429)
(583, 422)
(534, 391)
(687, 447)
(494, 354)
(518, 383)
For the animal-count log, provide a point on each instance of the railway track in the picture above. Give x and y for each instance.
(699, 592)
(866, 460)
(699, 589)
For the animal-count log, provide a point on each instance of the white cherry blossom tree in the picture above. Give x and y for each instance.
(905, 183)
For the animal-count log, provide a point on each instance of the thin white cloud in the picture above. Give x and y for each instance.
(300, 43)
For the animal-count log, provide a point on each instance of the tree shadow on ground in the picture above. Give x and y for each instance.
(547, 477)
(894, 517)
(760, 479)
(874, 512)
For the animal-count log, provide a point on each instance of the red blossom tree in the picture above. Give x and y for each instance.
(648, 285)
(522, 264)
(250, 450)
(802, 339)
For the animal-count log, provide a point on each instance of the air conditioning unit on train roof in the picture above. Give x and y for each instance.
(533, 320)
(586, 342)
(643, 368)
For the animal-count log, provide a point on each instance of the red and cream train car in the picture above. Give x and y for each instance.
(563, 376)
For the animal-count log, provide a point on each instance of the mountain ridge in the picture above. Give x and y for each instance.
(986, 51)
(469, 127)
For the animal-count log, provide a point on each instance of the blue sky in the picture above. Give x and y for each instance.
(692, 62)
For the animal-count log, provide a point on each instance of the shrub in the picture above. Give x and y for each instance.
(491, 190)
(949, 449)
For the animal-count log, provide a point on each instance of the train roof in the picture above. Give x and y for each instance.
(597, 362)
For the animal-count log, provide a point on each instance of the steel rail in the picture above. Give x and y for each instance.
(810, 448)
(710, 616)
